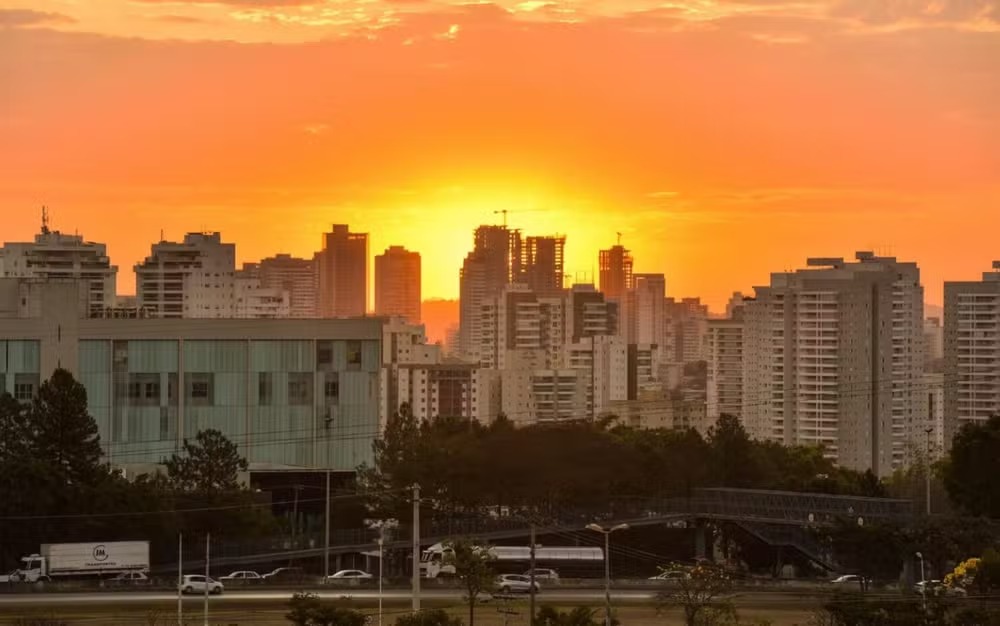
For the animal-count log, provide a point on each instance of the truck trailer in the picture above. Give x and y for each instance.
(73, 560)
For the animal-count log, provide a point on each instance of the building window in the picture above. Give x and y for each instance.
(23, 392)
(324, 353)
(264, 389)
(25, 386)
(143, 389)
(331, 388)
(299, 388)
(354, 355)
(200, 389)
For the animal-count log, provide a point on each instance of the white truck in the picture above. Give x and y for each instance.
(67, 560)
(434, 561)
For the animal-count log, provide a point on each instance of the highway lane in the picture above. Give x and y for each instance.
(366, 597)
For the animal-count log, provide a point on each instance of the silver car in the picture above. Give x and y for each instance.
(515, 583)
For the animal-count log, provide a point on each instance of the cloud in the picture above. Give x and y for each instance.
(179, 19)
(19, 18)
(240, 3)
(929, 12)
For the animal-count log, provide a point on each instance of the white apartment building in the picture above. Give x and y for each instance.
(416, 373)
(833, 357)
(647, 306)
(194, 278)
(253, 301)
(299, 277)
(58, 256)
(724, 377)
(686, 322)
(971, 351)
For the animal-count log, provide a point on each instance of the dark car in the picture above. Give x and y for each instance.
(285, 575)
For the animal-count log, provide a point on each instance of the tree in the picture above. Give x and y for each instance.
(62, 433)
(702, 595)
(873, 550)
(970, 471)
(579, 616)
(307, 609)
(211, 464)
(472, 567)
(981, 574)
(732, 453)
(436, 617)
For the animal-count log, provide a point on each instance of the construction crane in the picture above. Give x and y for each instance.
(619, 238)
(506, 211)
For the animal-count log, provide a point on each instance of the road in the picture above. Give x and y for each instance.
(364, 596)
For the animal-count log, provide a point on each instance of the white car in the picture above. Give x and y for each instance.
(937, 588)
(515, 583)
(847, 579)
(243, 576)
(671, 575)
(196, 583)
(350, 574)
(542, 573)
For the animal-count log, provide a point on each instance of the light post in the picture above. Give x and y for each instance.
(597, 528)
(380, 562)
(923, 581)
(927, 470)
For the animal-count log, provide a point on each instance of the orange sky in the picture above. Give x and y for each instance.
(724, 138)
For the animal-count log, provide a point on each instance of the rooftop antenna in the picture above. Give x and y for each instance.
(45, 220)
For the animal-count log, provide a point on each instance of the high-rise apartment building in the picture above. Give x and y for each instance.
(397, 284)
(686, 322)
(724, 376)
(971, 351)
(832, 357)
(542, 265)
(615, 272)
(494, 262)
(57, 256)
(343, 273)
(194, 278)
(299, 277)
(647, 310)
(254, 301)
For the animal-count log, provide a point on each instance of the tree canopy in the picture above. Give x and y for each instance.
(551, 469)
(971, 469)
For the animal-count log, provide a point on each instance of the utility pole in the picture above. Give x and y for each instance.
(381, 560)
(208, 542)
(927, 471)
(326, 533)
(416, 549)
(531, 587)
(180, 579)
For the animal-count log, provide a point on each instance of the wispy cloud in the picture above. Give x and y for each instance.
(20, 18)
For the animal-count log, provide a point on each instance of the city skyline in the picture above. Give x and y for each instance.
(725, 139)
(716, 298)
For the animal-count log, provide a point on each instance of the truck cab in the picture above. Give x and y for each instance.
(33, 568)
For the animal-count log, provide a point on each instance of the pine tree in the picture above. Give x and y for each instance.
(211, 464)
(63, 435)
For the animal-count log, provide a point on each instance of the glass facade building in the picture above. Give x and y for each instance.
(290, 393)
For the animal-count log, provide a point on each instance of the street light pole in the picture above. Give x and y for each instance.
(927, 471)
(607, 564)
(380, 562)
(923, 581)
